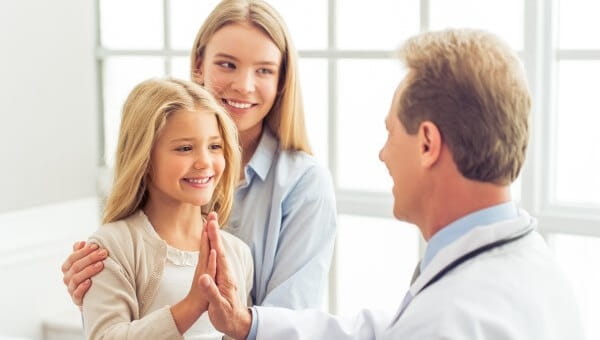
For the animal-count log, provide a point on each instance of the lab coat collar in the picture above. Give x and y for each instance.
(472, 240)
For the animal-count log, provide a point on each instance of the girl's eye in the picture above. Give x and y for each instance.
(215, 147)
(184, 148)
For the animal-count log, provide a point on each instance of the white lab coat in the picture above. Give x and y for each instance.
(515, 291)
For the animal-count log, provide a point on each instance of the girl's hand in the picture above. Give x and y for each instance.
(84, 262)
(226, 312)
(188, 310)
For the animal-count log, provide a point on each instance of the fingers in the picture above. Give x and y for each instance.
(212, 229)
(84, 262)
(79, 251)
(211, 292)
(89, 265)
(224, 313)
(78, 245)
(85, 274)
(212, 264)
(80, 282)
(204, 250)
(76, 256)
(80, 291)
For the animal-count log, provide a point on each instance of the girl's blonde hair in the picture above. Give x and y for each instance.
(286, 117)
(145, 113)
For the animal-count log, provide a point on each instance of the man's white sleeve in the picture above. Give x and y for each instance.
(308, 324)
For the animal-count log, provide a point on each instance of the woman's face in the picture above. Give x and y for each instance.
(241, 68)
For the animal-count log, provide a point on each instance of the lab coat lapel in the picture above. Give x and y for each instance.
(476, 238)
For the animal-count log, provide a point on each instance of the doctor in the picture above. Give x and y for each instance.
(457, 135)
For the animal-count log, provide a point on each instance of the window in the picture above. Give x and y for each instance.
(348, 71)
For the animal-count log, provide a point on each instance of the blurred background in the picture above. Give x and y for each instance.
(67, 66)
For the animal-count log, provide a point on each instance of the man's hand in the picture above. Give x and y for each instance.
(224, 308)
(84, 262)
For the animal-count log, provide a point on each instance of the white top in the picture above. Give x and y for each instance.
(174, 285)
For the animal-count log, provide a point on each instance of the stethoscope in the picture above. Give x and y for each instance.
(464, 258)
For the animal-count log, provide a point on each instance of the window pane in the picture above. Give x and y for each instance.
(387, 249)
(504, 18)
(577, 160)
(578, 24)
(132, 24)
(186, 17)
(180, 67)
(121, 75)
(378, 24)
(366, 88)
(306, 21)
(313, 78)
(579, 257)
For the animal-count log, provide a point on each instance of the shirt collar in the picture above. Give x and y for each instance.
(261, 161)
(463, 225)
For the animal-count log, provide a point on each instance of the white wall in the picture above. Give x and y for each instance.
(48, 123)
(34, 244)
(48, 154)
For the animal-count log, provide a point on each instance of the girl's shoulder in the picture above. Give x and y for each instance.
(126, 228)
(122, 237)
(112, 233)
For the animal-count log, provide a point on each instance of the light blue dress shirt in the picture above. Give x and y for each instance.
(460, 227)
(285, 211)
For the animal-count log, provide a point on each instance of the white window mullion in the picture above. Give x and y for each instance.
(332, 140)
(166, 31)
(99, 88)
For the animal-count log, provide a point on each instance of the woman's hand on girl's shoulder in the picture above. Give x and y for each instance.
(84, 262)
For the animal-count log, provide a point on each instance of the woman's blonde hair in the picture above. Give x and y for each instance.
(472, 86)
(286, 117)
(145, 113)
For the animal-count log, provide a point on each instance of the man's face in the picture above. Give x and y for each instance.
(401, 157)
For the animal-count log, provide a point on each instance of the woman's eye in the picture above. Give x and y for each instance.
(184, 148)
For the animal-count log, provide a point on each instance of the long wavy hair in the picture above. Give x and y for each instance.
(145, 112)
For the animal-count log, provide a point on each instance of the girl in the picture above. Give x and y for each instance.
(177, 160)
(284, 207)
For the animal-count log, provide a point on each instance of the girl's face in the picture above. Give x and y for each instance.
(241, 68)
(187, 159)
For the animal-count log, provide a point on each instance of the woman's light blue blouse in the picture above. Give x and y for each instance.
(285, 211)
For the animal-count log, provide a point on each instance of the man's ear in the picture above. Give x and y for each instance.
(430, 143)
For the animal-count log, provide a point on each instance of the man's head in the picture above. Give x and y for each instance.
(467, 90)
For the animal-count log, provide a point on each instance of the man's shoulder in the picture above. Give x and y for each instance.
(502, 287)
